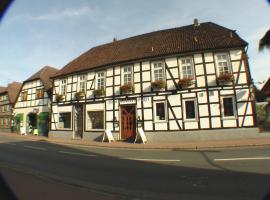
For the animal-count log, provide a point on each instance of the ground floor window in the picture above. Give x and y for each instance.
(160, 111)
(95, 119)
(190, 109)
(228, 107)
(65, 120)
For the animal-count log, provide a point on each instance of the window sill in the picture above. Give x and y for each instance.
(190, 120)
(159, 122)
(63, 129)
(229, 118)
(95, 130)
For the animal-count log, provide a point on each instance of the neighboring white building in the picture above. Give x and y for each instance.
(189, 78)
(32, 108)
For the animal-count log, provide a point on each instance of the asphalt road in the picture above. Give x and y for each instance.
(241, 173)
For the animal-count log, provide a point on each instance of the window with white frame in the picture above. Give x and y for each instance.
(190, 109)
(222, 62)
(158, 71)
(127, 74)
(186, 67)
(64, 120)
(82, 83)
(160, 109)
(63, 87)
(100, 80)
(228, 107)
(95, 120)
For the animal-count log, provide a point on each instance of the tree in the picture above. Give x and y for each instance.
(265, 41)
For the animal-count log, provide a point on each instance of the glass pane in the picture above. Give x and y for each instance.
(96, 119)
(228, 107)
(65, 120)
(160, 111)
(190, 109)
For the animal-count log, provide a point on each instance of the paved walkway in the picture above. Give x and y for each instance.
(243, 142)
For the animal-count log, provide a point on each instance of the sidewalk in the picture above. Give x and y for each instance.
(244, 142)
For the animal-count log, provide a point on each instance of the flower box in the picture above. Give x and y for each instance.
(185, 82)
(99, 92)
(158, 84)
(225, 77)
(59, 98)
(127, 88)
(79, 95)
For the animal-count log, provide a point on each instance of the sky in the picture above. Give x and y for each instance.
(35, 33)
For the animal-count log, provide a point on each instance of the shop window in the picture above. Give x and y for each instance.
(160, 111)
(228, 107)
(95, 120)
(190, 109)
(64, 120)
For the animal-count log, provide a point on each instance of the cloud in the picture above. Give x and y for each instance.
(57, 15)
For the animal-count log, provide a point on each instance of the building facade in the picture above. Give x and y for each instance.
(189, 78)
(8, 96)
(32, 108)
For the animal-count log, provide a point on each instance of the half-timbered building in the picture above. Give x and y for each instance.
(8, 97)
(189, 78)
(32, 108)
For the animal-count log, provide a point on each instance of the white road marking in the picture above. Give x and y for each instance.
(77, 154)
(239, 159)
(3, 142)
(153, 160)
(36, 148)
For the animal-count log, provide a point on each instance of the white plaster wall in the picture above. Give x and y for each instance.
(215, 122)
(198, 58)
(208, 57)
(204, 123)
(171, 62)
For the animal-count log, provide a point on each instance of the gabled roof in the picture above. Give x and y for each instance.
(44, 75)
(266, 87)
(13, 90)
(206, 36)
(3, 89)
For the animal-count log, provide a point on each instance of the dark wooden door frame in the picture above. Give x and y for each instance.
(135, 123)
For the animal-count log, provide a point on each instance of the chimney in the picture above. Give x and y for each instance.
(114, 39)
(196, 22)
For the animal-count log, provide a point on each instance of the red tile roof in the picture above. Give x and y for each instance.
(44, 75)
(266, 87)
(206, 36)
(13, 90)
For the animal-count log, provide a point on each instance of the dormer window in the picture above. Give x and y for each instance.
(82, 83)
(100, 80)
(186, 68)
(222, 63)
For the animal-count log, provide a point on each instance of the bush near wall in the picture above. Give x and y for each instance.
(263, 118)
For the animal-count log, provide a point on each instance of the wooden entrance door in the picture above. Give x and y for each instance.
(78, 121)
(128, 122)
